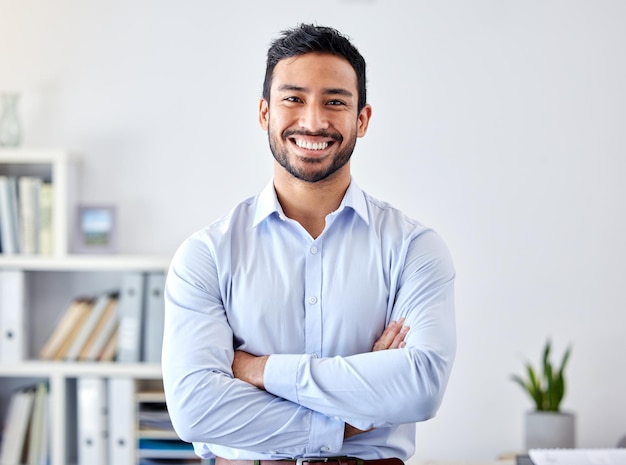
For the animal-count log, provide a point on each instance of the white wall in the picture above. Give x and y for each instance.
(501, 124)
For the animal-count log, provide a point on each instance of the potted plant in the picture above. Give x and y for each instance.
(547, 426)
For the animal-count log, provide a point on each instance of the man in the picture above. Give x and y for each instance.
(313, 320)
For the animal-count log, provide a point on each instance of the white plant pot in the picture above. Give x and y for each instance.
(546, 430)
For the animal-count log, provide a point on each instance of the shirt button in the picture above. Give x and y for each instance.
(325, 448)
(312, 300)
(313, 250)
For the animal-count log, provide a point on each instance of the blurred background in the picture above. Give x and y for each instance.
(501, 124)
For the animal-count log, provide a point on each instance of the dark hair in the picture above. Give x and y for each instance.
(308, 38)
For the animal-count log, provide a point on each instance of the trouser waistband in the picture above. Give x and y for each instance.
(312, 461)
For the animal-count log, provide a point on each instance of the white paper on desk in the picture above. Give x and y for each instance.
(578, 456)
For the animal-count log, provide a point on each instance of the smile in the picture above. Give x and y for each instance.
(308, 145)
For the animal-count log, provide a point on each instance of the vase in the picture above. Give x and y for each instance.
(549, 430)
(10, 128)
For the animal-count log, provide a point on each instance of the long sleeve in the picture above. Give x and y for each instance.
(205, 402)
(385, 388)
(256, 281)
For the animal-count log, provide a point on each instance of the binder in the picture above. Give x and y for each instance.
(8, 215)
(130, 308)
(121, 428)
(89, 326)
(154, 316)
(46, 205)
(28, 206)
(13, 333)
(92, 421)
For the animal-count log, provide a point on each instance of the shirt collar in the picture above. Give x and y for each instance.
(267, 203)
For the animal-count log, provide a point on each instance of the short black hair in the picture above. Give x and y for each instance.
(309, 38)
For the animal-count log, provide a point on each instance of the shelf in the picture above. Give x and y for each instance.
(42, 369)
(34, 291)
(33, 156)
(150, 396)
(85, 262)
(146, 433)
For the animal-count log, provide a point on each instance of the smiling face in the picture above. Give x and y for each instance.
(312, 118)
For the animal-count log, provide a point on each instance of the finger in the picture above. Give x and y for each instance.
(389, 335)
(398, 340)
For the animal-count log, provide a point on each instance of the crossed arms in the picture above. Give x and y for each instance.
(293, 403)
(250, 368)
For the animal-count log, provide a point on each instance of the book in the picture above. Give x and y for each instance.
(131, 317)
(104, 331)
(154, 317)
(90, 326)
(86, 305)
(165, 448)
(37, 452)
(62, 334)
(14, 438)
(110, 348)
(13, 332)
(46, 213)
(28, 209)
(92, 403)
(9, 229)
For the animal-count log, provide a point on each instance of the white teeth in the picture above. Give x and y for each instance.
(311, 145)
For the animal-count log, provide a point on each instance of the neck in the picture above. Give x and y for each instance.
(309, 203)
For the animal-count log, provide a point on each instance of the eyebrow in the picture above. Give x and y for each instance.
(330, 91)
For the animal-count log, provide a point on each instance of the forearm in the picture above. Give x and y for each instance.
(406, 386)
(206, 403)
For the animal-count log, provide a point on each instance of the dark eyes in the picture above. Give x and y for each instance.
(293, 99)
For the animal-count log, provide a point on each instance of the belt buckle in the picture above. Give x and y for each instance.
(338, 460)
(303, 460)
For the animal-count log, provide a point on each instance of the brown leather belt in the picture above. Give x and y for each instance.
(312, 460)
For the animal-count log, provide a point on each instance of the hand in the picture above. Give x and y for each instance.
(249, 368)
(392, 337)
(349, 431)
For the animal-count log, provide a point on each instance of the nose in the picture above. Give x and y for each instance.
(313, 118)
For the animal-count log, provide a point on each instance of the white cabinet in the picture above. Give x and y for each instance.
(49, 283)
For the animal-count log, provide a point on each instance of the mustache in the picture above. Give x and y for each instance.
(298, 132)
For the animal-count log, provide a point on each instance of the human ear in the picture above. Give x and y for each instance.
(264, 114)
(364, 120)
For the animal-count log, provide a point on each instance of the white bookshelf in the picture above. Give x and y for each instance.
(58, 167)
(52, 279)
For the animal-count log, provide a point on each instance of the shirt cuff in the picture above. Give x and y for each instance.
(280, 378)
(281, 375)
(326, 435)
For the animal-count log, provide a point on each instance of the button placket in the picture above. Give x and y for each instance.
(313, 289)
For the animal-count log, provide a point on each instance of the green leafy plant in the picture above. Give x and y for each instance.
(547, 388)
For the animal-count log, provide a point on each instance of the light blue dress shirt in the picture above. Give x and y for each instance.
(256, 281)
